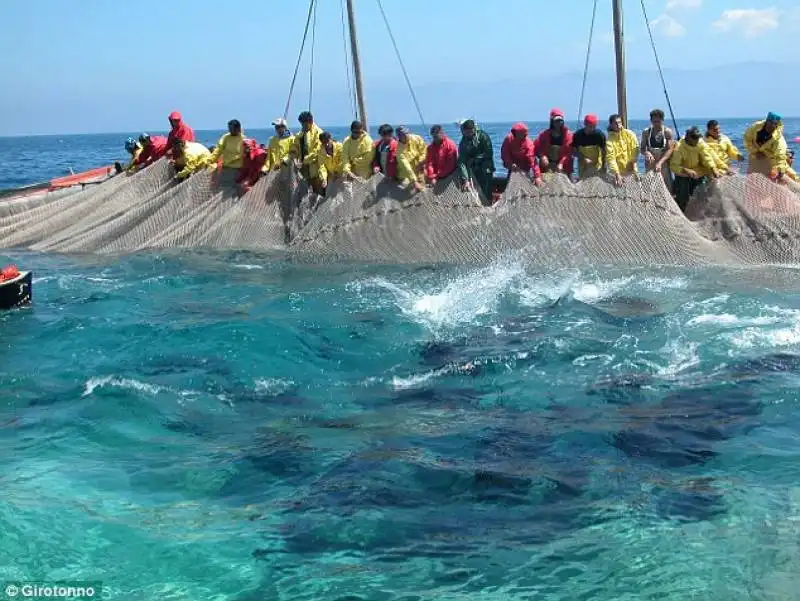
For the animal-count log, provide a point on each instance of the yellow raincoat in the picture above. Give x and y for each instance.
(229, 148)
(622, 149)
(195, 157)
(312, 144)
(700, 159)
(357, 156)
(132, 165)
(325, 166)
(410, 158)
(723, 148)
(774, 148)
(279, 148)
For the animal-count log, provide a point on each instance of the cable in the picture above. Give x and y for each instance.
(586, 64)
(348, 67)
(660, 72)
(299, 58)
(313, 46)
(403, 67)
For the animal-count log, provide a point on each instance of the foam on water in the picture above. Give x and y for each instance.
(179, 429)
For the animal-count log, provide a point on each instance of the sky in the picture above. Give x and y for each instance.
(100, 66)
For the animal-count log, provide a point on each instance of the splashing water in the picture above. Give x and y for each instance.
(181, 429)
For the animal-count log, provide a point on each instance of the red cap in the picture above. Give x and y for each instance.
(175, 116)
(556, 113)
(590, 119)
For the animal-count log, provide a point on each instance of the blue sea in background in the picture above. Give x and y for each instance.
(235, 427)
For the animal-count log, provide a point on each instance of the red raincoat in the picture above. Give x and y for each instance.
(155, 150)
(253, 159)
(544, 144)
(520, 152)
(181, 131)
(441, 159)
(391, 159)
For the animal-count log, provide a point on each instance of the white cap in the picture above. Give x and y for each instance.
(279, 121)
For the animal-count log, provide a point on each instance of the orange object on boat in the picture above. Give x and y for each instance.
(9, 273)
(85, 177)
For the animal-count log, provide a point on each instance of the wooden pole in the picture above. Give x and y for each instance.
(351, 18)
(619, 49)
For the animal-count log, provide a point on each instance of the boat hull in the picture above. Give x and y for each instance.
(16, 292)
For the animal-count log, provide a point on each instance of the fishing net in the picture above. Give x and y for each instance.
(732, 221)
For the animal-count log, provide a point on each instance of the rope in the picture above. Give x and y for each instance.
(348, 67)
(402, 66)
(313, 45)
(299, 58)
(586, 64)
(660, 72)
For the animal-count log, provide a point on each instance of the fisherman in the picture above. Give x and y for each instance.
(327, 165)
(253, 160)
(441, 157)
(357, 153)
(721, 144)
(589, 145)
(179, 130)
(622, 150)
(519, 153)
(228, 150)
(280, 145)
(385, 158)
(692, 163)
(476, 159)
(189, 157)
(767, 147)
(790, 172)
(554, 145)
(306, 143)
(134, 148)
(153, 148)
(657, 145)
(411, 150)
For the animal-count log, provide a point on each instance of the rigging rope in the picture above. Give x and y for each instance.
(660, 72)
(348, 68)
(586, 65)
(313, 45)
(402, 66)
(299, 58)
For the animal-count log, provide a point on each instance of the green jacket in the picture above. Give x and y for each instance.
(476, 155)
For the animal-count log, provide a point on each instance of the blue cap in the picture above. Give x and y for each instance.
(773, 116)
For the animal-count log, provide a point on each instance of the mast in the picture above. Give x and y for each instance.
(619, 50)
(351, 18)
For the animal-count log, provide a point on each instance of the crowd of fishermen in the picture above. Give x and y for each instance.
(406, 158)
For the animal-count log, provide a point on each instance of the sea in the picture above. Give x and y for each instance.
(209, 426)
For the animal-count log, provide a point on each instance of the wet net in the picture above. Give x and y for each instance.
(736, 220)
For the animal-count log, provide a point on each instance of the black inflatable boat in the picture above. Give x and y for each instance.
(16, 291)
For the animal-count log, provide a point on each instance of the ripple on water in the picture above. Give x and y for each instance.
(239, 428)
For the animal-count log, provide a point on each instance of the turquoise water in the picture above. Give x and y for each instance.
(233, 427)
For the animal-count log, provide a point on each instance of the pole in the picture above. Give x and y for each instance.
(619, 50)
(351, 18)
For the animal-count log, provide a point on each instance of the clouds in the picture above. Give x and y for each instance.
(669, 26)
(750, 22)
(673, 4)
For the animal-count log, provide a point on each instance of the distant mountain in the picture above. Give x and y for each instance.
(744, 90)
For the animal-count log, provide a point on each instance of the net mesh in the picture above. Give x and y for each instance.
(733, 220)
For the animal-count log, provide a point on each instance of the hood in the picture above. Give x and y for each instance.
(519, 128)
(175, 116)
(250, 145)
